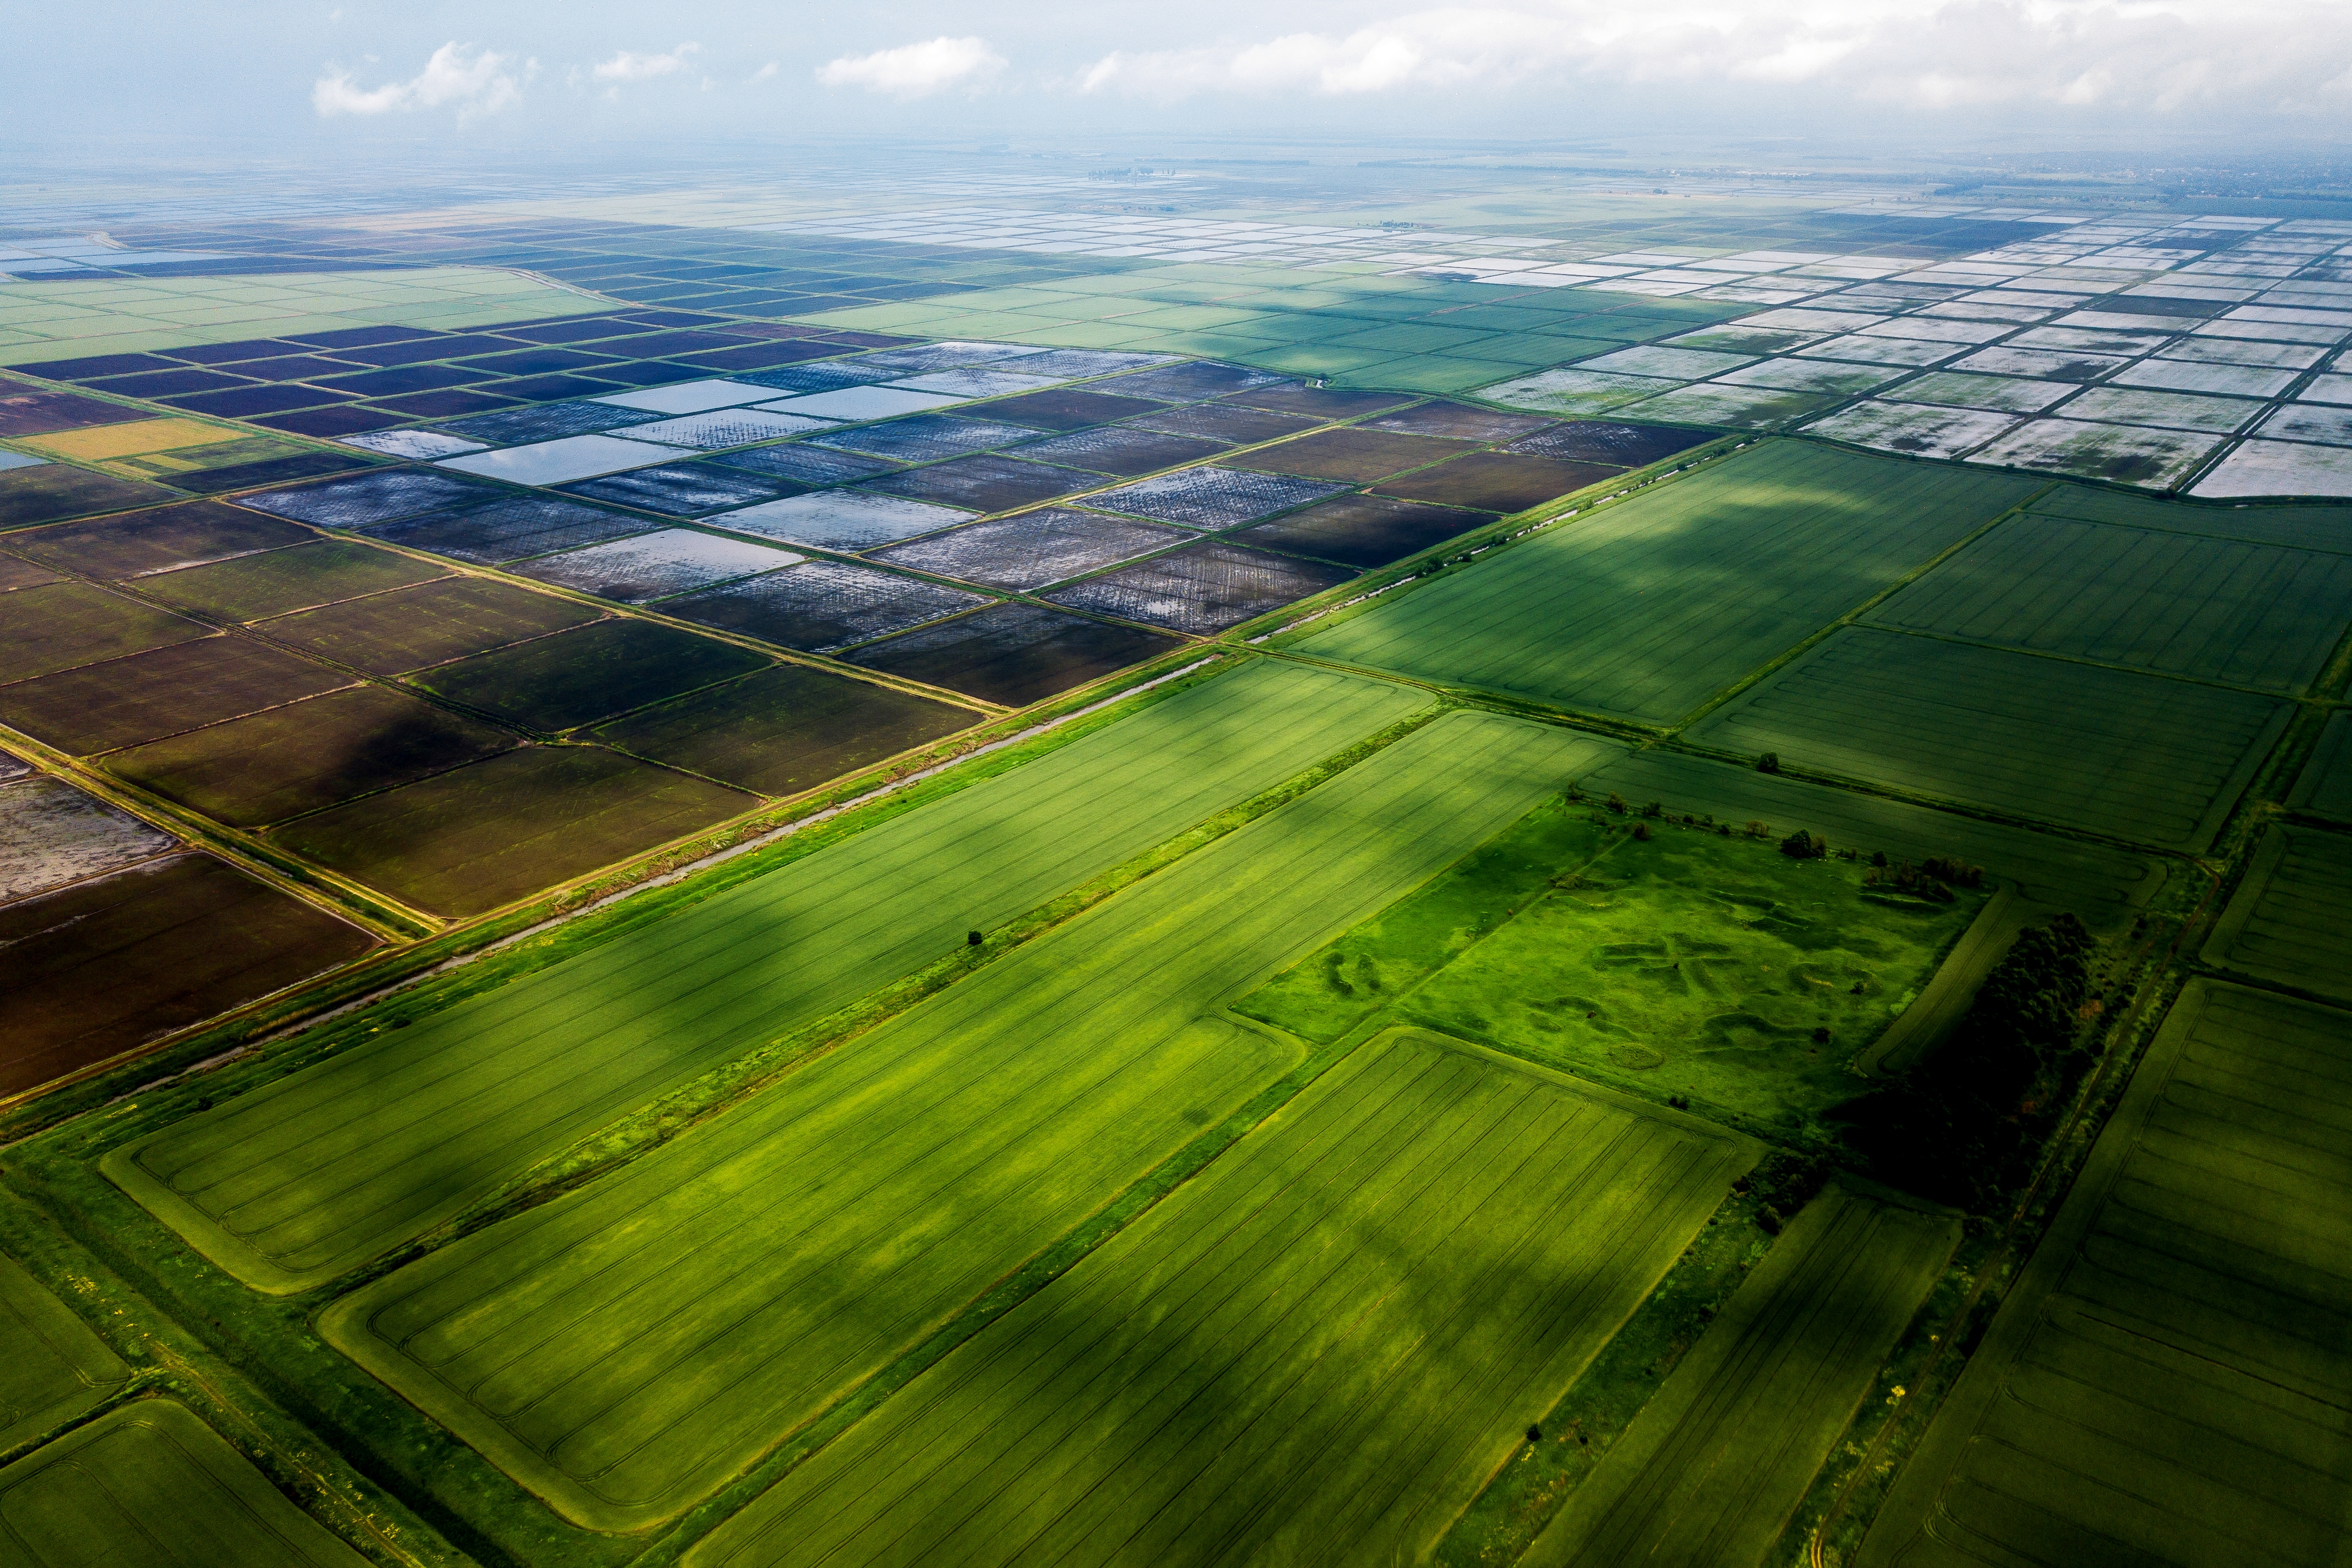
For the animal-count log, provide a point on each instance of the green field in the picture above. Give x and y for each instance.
(627, 1348)
(2166, 1383)
(297, 1182)
(1708, 1474)
(2290, 922)
(1317, 1351)
(1645, 610)
(150, 1486)
(1685, 965)
(56, 1368)
(2099, 883)
(2218, 610)
(2145, 759)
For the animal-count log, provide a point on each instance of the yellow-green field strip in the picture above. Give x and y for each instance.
(625, 1349)
(1316, 1351)
(150, 1486)
(299, 1182)
(2171, 1381)
(55, 1367)
(1709, 1472)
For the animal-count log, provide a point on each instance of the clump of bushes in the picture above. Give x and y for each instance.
(1804, 846)
(1964, 1125)
(1768, 763)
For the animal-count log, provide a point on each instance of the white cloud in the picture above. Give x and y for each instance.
(478, 81)
(2160, 55)
(628, 67)
(765, 73)
(916, 71)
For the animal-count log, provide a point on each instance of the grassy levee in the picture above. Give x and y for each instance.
(2142, 757)
(1709, 1472)
(150, 1486)
(1644, 609)
(299, 1181)
(2102, 884)
(55, 1368)
(2172, 603)
(624, 1349)
(2290, 922)
(2167, 1381)
(1316, 1351)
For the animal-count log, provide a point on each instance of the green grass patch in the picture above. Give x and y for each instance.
(1684, 966)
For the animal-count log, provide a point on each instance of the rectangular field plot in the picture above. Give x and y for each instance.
(510, 530)
(306, 755)
(594, 1347)
(2128, 454)
(150, 1486)
(59, 625)
(2154, 760)
(2290, 922)
(1034, 548)
(576, 677)
(2248, 614)
(1353, 455)
(1361, 531)
(189, 534)
(1497, 481)
(276, 581)
(1014, 654)
(1318, 1350)
(297, 1182)
(52, 491)
(2320, 527)
(786, 729)
(97, 707)
(1720, 1457)
(52, 833)
(1202, 590)
(842, 520)
(409, 628)
(1211, 497)
(1647, 609)
(479, 836)
(95, 969)
(657, 565)
(2166, 1382)
(821, 605)
(56, 1368)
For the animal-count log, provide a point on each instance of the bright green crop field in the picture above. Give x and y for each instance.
(1687, 963)
(2141, 757)
(300, 1181)
(148, 1485)
(1317, 1351)
(1644, 609)
(625, 1349)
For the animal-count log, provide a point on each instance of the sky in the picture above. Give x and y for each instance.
(328, 79)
